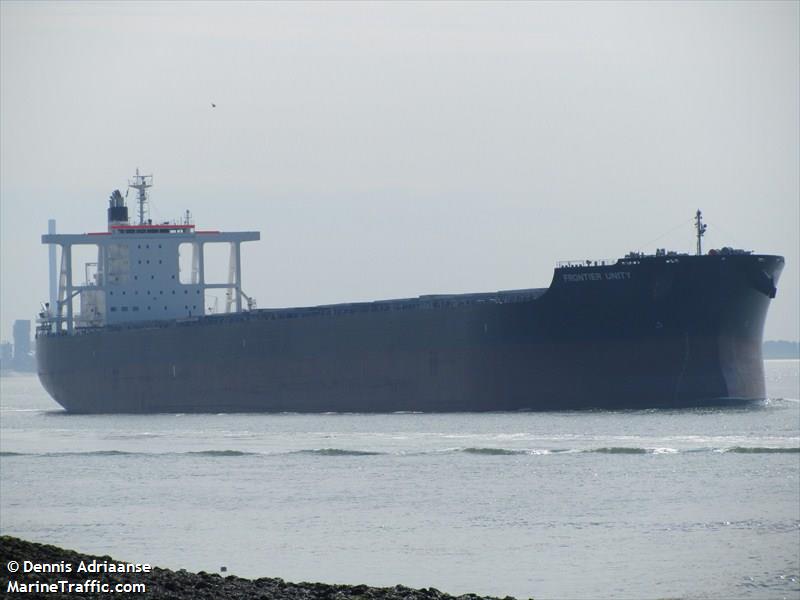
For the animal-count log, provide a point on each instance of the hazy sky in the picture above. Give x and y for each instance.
(391, 150)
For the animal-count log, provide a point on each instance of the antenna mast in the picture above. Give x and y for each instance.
(140, 183)
(701, 231)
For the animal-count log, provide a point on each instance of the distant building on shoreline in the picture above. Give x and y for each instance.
(6, 354)
(18, 356)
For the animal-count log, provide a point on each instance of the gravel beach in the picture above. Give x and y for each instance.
(164, 583)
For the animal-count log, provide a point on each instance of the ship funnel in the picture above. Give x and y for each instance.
(117, 211)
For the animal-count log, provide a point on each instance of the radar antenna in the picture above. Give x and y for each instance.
(140, 183)
(701, 231)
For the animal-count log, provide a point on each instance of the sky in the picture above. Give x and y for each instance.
(396, 149)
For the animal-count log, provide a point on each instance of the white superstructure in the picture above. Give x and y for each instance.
(137, 275)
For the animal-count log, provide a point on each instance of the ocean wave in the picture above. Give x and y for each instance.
(337, 452)
(135, 435)
(620, 450)
(220, 453)
(94, 453)
(761, 450)
(634, 450)
(492, 451)
(470, 450)
(127, 453)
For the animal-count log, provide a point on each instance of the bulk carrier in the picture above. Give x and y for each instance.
(667, 330)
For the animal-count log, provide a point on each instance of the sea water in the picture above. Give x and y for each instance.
(627, 504)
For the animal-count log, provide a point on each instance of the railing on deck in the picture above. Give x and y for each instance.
(601, 262)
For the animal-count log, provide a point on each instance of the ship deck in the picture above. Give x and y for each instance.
(430, 301)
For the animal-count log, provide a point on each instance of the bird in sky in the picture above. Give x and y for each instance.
(213, 105)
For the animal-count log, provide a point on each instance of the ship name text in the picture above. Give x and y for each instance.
(596, 276)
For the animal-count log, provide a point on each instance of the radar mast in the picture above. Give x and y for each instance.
(701, 231)
(140, 183)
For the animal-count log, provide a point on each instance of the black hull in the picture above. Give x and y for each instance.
(655, 332)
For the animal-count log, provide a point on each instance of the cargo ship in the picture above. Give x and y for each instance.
(662, 330)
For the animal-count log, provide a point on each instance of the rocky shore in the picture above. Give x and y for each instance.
(163, 583)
